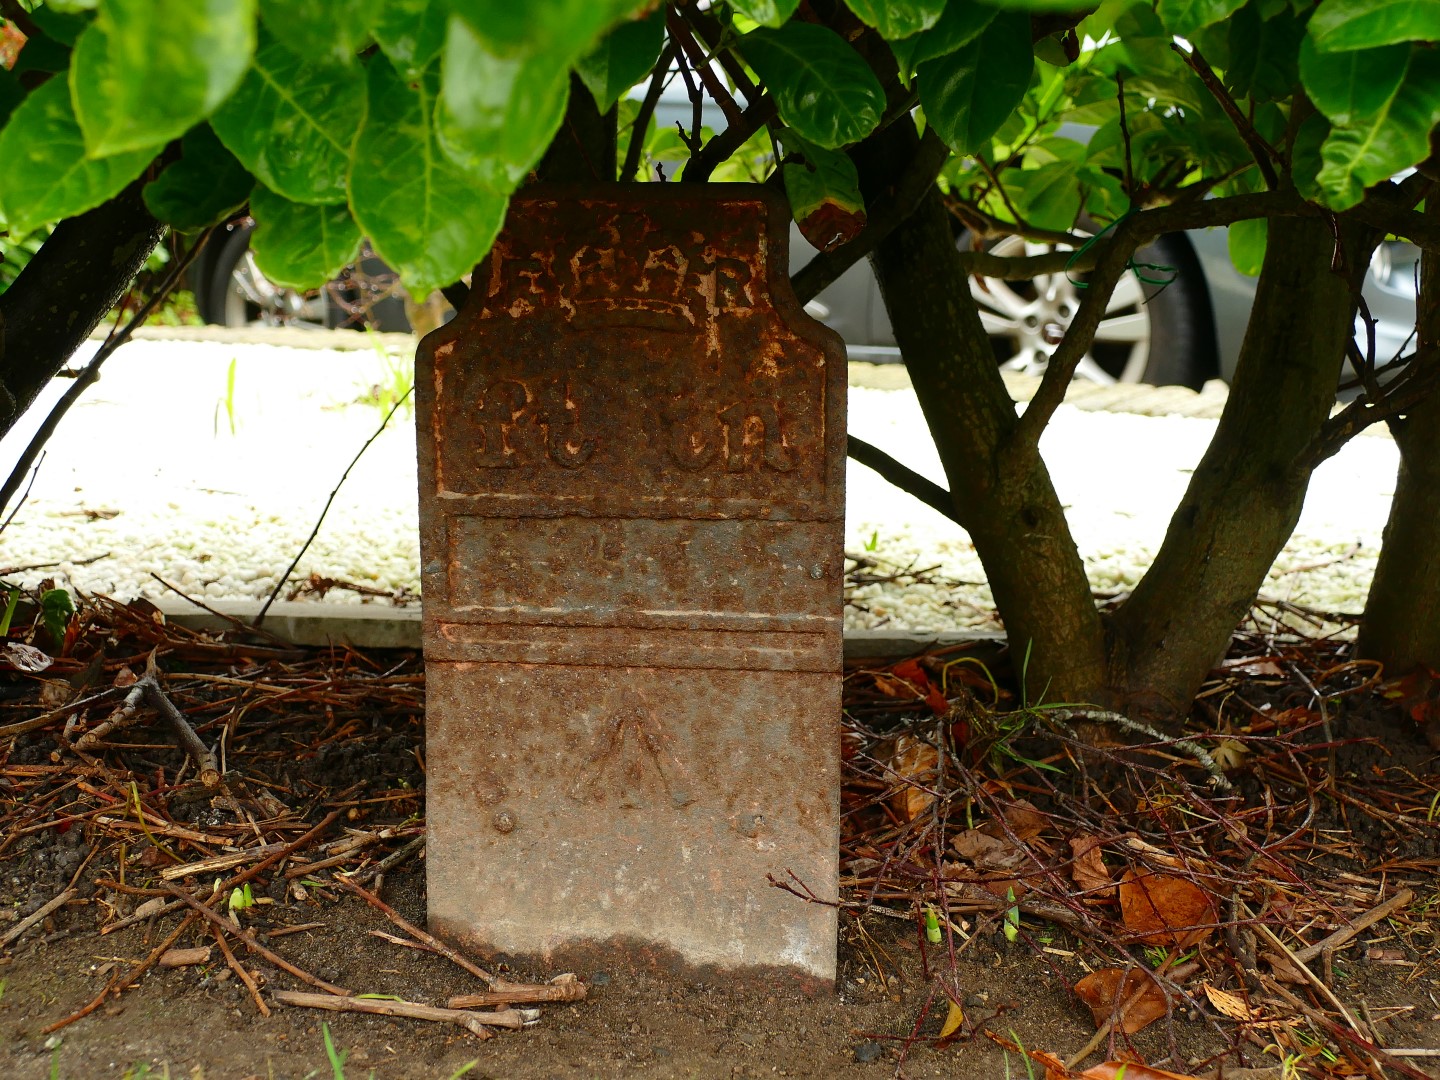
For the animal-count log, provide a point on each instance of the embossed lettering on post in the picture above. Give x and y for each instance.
(631, 445)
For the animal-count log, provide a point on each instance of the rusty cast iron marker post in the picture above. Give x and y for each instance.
(631, 498)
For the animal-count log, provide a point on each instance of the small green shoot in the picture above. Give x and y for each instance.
(932, 925)
(242, 898)
(337, 1057)
(56, 610)
(1012, 916)
(14, 600)
(463, 1069)
(228, 401)
(1430, 815)
(394, 384)
(873, 544)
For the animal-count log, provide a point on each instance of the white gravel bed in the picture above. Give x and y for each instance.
(146, 477)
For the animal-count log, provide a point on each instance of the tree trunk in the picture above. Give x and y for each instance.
(78, 275)
(1401, 628)
(1019, 529)
(1246, 494)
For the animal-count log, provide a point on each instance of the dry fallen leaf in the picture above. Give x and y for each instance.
(26, 658)
(953, 1019)
(1227, 1004)
(1162, 909)
(914, 763)
(1021, 819)
(1108, 990)
(1088, 870)
(1127, 1070)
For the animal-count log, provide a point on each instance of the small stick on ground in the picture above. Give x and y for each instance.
(473, 1022)
(236, 881)
(119, 984)
(571, 990)
(240, 972)
(199, 753)
(1356, 926)
(389, 862)
(255, 946)
(421, 935)
(14, 933)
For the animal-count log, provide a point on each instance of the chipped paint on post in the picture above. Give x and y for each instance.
(631, 469)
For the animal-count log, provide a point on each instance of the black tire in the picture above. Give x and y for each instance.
(1183, 350)
(215, 276)
(223, 300)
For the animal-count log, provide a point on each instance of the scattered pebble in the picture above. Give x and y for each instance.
(867, 1052)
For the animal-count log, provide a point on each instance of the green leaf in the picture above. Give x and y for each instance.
(1247, 245)
(824, 192)
(320, 29)
(291, 123)
(821, 86)
(1048, 197)
(622, 59)
(146, 71)
(961, 23)
(44, 173)
(1305, 161)
(56, 610)
(1185, 17)
(497, 114)
(203, 188)
(970, 93)
(1349, 86)
(766, 12)
(1262, 63)
(566, 28)
(1042, 5)
(895, 19)
(1365, 24)
(1376, 147)
(298, 245)
(426, 217)
(411, 33)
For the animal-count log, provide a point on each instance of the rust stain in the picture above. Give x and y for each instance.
(632, 458)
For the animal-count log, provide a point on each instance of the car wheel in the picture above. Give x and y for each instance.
(1150, 333)
(233, 292)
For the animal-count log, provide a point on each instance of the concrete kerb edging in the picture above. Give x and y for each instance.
(370, 626)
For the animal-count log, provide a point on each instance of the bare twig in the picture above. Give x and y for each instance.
(19, 929)
(903, 477)
(647, 109)
(121, 982)
(421, 935)
(91, 371)
(240, 972)
(1356, 926)
(260, 616)
(571, 989)
(33, 474)
(473, 1022)
(254, 946)
(1262, 151)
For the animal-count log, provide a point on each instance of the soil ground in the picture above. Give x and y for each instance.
(1330, 817)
